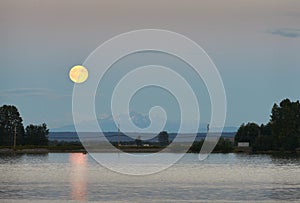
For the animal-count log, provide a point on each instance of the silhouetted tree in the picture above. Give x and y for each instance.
(285, 125)
(163, 138)
(10, 120)
(138, 141)
(37, 134)
(264, 141)
(224, 146)
(281, 133)
(247, 133)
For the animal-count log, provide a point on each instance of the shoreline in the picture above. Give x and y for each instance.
(45, 150)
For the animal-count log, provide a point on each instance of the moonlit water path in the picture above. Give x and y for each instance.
(220, 178)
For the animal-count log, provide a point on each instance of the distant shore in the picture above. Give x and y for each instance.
(127, 149)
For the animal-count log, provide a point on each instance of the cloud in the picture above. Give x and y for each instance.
(286, 32)
(30, 92)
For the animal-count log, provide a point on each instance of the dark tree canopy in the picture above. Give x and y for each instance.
(264, 140)
(285, 125)
(281, 133)
(138, 141)
(163, 138)
(37, 134)
(247, 133)
(10, 121)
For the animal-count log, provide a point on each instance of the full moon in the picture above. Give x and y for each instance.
(78, 74)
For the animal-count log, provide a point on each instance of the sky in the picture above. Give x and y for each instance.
(255, 46)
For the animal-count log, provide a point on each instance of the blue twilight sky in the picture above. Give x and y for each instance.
(255, 45)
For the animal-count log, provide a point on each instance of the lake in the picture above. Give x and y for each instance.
(64, 177)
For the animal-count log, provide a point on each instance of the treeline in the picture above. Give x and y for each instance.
(223, 146)
(163, 140)
(281, 133)
(12, 129)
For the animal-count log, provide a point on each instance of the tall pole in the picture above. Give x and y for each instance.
(15, 137)
(207, 128)
(118, 135)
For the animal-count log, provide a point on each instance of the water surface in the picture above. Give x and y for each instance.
(221, 177)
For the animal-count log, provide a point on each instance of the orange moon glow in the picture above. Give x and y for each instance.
(78, 74)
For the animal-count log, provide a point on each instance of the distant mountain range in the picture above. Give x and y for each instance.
(113, 128)
(142, 121)
(129, 137)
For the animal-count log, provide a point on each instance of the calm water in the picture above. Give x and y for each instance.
(221, 177)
